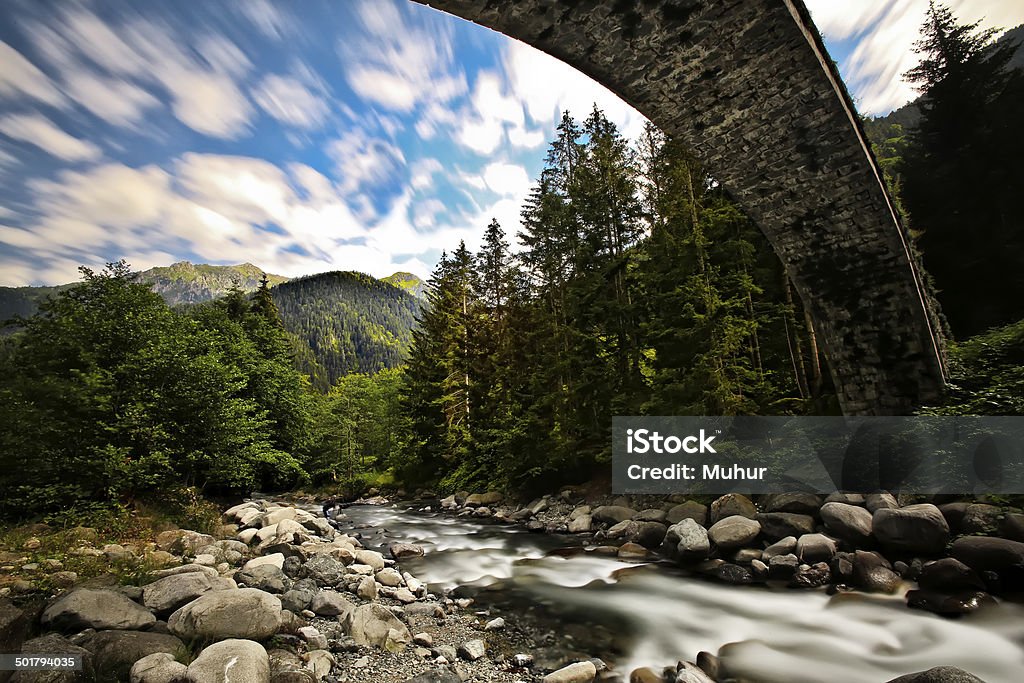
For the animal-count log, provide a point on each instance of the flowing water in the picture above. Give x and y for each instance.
(654, 614)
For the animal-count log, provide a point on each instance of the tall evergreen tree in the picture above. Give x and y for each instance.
(962, 173)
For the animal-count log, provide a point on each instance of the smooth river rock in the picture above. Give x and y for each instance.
(243, 613)
(230, 661)
(850, 523)
(913, 529)
(734, 532)
(98, 609)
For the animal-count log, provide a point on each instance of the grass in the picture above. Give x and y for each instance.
(95, 526)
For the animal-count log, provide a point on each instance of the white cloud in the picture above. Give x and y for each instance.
(423, 171)
(563, 88)
(885, 32)
(289, 101)
(38, 130)
(507, 180)
(20, 78)
(398, 65)
(361, 159)
(116, 101)
(266, 17)
(202, 82)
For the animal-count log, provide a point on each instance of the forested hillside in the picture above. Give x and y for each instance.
(350, 321)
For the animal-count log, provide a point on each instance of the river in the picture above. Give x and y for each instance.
(654, 614)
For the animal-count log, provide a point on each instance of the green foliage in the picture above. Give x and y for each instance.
(640, 288)
(986, 374)
(961, 172)
(108, 394)
(351, 322)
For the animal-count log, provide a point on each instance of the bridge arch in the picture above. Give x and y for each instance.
(749, 86)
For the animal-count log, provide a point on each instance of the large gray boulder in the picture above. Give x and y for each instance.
(799, 503)
(266, 577)
(939, 674)
(913, 529)
(230, 661)
(612, 514)
(159, 667)
(324, 569)
(55, 644)
(691, 509)
(812, 548)
(851, 523)
(165, 595)
(331, 604)
(732, 504)
(243, 613)
(374, 624)
(982, 553)
(114, 652)
(734, 532)
(96, 608)
(688, 541)
(776, 525)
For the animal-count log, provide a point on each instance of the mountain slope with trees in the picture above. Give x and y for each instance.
(351, 322)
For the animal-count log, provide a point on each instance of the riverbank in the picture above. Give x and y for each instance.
(417, 594)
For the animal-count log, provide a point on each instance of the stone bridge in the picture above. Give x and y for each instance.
(748, 85)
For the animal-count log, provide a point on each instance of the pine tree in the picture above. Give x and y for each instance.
(962, 173)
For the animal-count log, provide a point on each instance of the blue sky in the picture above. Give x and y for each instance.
(303, 137)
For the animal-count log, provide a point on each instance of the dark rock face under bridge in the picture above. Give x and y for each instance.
(747, 85)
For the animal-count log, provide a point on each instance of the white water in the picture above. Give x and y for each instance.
(775, 635)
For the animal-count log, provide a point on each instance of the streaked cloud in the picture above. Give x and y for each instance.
(36, 129)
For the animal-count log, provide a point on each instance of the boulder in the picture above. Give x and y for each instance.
(579, 672)
(229, 661)
(783, 546)
(850, 523)
(688, 541)
(472, 650)
(55, 644)
(15, 624)
(374, 624)
(651, 515)
(389, 577)
(401, 551)
(963, 602)
(266, 577)
(872, 573)
(243, 613)
(330, 604)
(114, 652)
(949, 574)
(159, 667)
(811, 548)
(165, 595)
(734, 532)
(982, 553)
(880, 501)
(98, 609)
(776, 525)
(690, 673)
(939, 674)
(980, 519)
(367, 588)
(612, 514)
(691, 509)
(581, 524)
(732, 504)
(811, 576)
(278, 515)
(276, 559)
(324, 569)
(371, 558)
(631, 551)
(799, 503)
(913, 529)
(440, 675)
